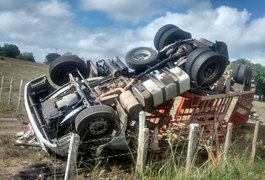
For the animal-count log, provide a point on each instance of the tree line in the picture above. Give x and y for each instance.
(12, 51)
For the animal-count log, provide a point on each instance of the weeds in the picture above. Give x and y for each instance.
(236, 167)
(6, 109)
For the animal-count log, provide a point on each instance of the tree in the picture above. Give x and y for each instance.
(27, 56)
(50, 57)
(1, 51)
(67, 54)
(10, 50)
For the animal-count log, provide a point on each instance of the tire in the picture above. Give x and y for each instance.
(248, 80)
(97, 123)
(244, 75)
(141, 58)
(235, 70)
(160, 32)
(172, 35)
(193, 56)
(62, 66)
(205, 66)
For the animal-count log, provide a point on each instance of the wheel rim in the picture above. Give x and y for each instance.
(210, 70)
(65, 71)
(141, 55)
(98, 126)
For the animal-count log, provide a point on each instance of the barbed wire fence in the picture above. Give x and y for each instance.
(11, 93)
(60, 170)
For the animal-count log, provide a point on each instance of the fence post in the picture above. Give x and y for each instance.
(19, 94)
(142, 146)
(254, 143)
(1, 89)
(228, 138)
(72, 156)
(192, 146)
(10, 91)
(228, 85)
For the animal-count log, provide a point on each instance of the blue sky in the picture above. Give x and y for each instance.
(96, 29)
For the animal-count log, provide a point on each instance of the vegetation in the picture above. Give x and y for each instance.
(26, 56)
(258, 75)
(9, 50)
(50, 57)
(12, 51)
(21, 69)
(236, 166)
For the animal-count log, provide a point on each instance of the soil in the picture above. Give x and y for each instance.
(20, 162)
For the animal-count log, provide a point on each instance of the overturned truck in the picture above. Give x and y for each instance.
(101, 101)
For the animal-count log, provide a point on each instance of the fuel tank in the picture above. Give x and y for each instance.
(161, 86)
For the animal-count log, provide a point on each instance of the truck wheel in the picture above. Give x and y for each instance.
(244, 75)
(235, 71)
(205, 66)
(141, 58)
(169, 36)
(62, 66)
(97, 123)
(160, 32)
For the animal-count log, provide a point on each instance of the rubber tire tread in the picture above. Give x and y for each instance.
(172, 35)
(160, 33)
(244, 75)
(202, 61)
(235, 70)
(97, 111)
(192, 58)
(59, 64)
(141, 65)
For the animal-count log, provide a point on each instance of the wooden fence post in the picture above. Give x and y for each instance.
(10, 91)
(254, 143)
(142, 146)
(71, 159)
(19, 94)
(228, 139)
(1, 89)
(192, 146)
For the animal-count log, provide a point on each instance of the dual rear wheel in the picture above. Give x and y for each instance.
(242, 74)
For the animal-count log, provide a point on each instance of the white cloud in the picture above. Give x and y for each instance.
(53, 9)
(132, 11)
(244, 37)
(44, 26)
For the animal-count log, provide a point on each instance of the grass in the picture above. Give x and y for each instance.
(16, 69)
(20, 69)
(236, 166)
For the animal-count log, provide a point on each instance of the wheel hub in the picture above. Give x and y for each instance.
(141, 55)
(210, 70)
(98, 126)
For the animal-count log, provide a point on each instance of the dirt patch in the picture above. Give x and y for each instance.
(13, 159)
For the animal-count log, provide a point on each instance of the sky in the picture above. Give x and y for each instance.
(98, 29)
